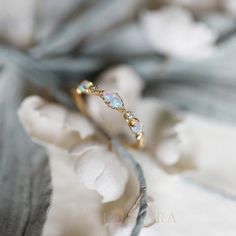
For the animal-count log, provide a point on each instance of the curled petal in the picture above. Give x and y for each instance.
(51, 124)
(73, 207)
(100, 170)
(180, 36)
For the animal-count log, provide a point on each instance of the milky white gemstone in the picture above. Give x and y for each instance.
(113, 100)
(136, 126)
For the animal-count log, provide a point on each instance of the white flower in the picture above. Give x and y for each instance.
(94, 186)
(85, 175)
(100, 170)
(172, 31)
(53, 125)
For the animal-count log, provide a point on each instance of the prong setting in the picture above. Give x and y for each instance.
(114, 101)
(84, 87)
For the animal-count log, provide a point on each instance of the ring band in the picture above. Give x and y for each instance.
(114, 101)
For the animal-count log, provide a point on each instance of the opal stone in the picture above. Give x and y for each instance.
(113, 100)
(84, 85)
(136, 126)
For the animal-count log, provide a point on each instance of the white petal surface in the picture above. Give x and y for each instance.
(74, 208)
(185, 208)
(51, 124)
(17, 23)
(214, 154)
(172, 31)
(100, 170)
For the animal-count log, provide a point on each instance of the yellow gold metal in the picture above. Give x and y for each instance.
(114, 101)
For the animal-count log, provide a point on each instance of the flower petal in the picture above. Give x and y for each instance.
(171, 30)
(51, 124)
(100, 170)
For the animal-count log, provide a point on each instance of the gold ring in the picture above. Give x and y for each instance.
(114, 101)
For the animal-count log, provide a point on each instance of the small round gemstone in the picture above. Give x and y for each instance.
(129, 115)
(84, 85)
(113, 100)
(136, 126)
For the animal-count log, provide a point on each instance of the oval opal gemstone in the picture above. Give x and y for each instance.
(113, 100)
(136, 126)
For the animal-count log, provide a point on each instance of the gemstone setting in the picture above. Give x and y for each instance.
(135, 126)
(113, 100)
(128, 116)
(84, 86)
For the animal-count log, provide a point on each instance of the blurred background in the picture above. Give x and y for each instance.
(184, 50)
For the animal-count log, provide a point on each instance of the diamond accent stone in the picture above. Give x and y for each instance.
(136, 126)
(113, 100)
(128, 115)
(84, 85)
